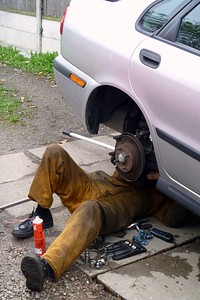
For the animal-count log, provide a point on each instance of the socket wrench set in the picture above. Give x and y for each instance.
(116, 251)
(123, 249)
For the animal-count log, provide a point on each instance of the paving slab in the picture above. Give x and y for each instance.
(84, 153)
(171, 275)
(18, 190)
(182, 235)
(15, 166)
(15, 191)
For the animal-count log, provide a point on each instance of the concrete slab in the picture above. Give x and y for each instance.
(84, 153)
(182, 235)
(88, 158)
(15, 166)
(17, 190)
(172, 275)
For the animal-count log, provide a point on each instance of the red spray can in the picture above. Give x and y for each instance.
(39, 237)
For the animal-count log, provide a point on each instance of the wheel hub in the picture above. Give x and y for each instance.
(129, 156)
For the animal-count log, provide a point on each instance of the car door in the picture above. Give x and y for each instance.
(165, 75)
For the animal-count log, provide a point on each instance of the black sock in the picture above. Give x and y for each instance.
(48, 271)
(44, 213)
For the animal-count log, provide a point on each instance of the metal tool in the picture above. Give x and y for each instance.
(142, 237)
(14, 203)
(99, 263)
(163, 235)
(140, 225)
(84, 138)
(123, 249)
(87, 257)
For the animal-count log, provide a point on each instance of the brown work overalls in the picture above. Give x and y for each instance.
(99, 204)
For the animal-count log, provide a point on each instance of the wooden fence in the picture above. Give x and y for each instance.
(51, 8)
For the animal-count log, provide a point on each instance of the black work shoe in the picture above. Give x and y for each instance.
(25, 228)
(36, 270)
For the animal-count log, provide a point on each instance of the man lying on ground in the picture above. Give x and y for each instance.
(99, 204)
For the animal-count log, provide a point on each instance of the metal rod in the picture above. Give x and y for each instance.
(90, 140)
(14, 203)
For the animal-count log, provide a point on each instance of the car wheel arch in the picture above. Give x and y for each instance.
(106, 104)
(118, 111)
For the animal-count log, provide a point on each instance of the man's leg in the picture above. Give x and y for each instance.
(81, 229)
(57, 173)
(91, 218)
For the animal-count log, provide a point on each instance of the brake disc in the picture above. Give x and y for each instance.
(129, 156)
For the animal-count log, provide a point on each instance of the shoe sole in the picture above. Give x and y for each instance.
(33, 271)
(25, 234)
(21, 235)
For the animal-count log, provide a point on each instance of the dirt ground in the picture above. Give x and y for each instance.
(45, 116)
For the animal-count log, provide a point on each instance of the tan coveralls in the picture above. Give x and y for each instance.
(99, 203)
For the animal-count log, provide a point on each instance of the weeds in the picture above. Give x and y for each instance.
(9, 106)
(11, 110)
(37, 63)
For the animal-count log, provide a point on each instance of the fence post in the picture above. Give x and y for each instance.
(39, 25)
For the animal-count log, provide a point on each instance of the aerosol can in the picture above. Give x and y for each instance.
(39, 237)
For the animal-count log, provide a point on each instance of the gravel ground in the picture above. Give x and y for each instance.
(47, 116)
(74, 284)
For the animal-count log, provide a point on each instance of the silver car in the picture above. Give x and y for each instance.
(135, 67)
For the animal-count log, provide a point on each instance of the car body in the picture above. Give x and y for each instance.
(135, 67)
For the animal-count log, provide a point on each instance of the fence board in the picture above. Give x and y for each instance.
(52, 8)
(19, 5)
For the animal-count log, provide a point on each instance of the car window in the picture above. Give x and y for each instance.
(158, 15)
(189, 31)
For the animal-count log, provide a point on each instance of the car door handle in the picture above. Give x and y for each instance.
(150, 58)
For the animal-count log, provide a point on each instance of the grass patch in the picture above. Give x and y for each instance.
(37, 63)
(11, 109)
(14, 110)
(9, 106)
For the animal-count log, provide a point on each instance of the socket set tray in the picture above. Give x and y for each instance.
(123, 249)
